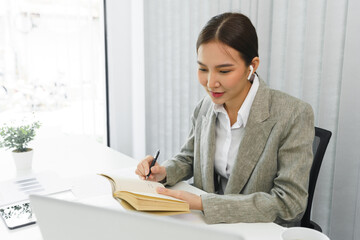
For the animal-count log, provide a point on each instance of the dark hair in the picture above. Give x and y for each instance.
(234, 30)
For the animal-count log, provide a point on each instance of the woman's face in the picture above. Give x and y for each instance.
(223, 73)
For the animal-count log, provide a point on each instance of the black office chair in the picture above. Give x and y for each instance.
(321, 140)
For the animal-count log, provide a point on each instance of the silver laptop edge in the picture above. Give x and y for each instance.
(65, 220)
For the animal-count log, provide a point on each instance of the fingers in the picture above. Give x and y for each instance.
(143, 167)
(141, 176)
(158, 173)
(194, 201)
(157, 168)
(170, 192)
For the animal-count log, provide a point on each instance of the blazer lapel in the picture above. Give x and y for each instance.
(207, 142)
(256, 134)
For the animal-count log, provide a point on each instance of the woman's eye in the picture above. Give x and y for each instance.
(223, 71)
(202, 69)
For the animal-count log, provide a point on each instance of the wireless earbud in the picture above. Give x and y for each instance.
(251, 72)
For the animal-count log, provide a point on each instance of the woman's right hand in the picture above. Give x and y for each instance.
(158, 173)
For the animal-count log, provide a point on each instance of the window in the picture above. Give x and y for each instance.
(52, 64)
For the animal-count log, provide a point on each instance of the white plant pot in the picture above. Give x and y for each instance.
(23, 160)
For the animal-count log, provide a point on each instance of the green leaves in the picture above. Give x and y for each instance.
(17, 138)
(16, 211)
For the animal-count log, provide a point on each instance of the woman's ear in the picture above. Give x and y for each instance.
(255, 63)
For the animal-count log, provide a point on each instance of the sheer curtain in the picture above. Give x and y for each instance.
(304, 47)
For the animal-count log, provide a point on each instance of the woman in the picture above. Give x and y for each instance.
(250, 147)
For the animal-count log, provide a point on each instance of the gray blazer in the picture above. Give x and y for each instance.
(269, 180)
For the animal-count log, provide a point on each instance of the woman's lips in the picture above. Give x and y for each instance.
(217, 94)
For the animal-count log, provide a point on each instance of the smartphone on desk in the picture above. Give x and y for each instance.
(17, 215)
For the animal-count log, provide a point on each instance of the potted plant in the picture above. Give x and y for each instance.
(17, 138)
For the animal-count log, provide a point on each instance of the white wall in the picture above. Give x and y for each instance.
(126, 76)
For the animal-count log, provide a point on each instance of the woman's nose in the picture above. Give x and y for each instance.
(211, 81)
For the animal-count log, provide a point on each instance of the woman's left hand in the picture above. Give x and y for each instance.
(193, 200)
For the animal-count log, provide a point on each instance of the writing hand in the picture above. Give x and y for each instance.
(158, 173)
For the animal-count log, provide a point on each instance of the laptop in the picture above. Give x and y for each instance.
(61, 219)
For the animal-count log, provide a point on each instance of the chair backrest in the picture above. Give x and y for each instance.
(321, 140)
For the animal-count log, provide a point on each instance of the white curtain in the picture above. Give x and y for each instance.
(303, 46)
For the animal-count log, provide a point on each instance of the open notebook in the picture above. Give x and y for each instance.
(141, 195)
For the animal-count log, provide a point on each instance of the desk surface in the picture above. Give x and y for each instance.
(79, 159)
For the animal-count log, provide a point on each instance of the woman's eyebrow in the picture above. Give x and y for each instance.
(224, 65)
(200, 63)
(217, 66)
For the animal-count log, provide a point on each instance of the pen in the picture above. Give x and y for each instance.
(153, 162)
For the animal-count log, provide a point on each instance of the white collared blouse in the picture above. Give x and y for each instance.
(228, 138)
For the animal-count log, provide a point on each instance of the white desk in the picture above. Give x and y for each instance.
(79, 159)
